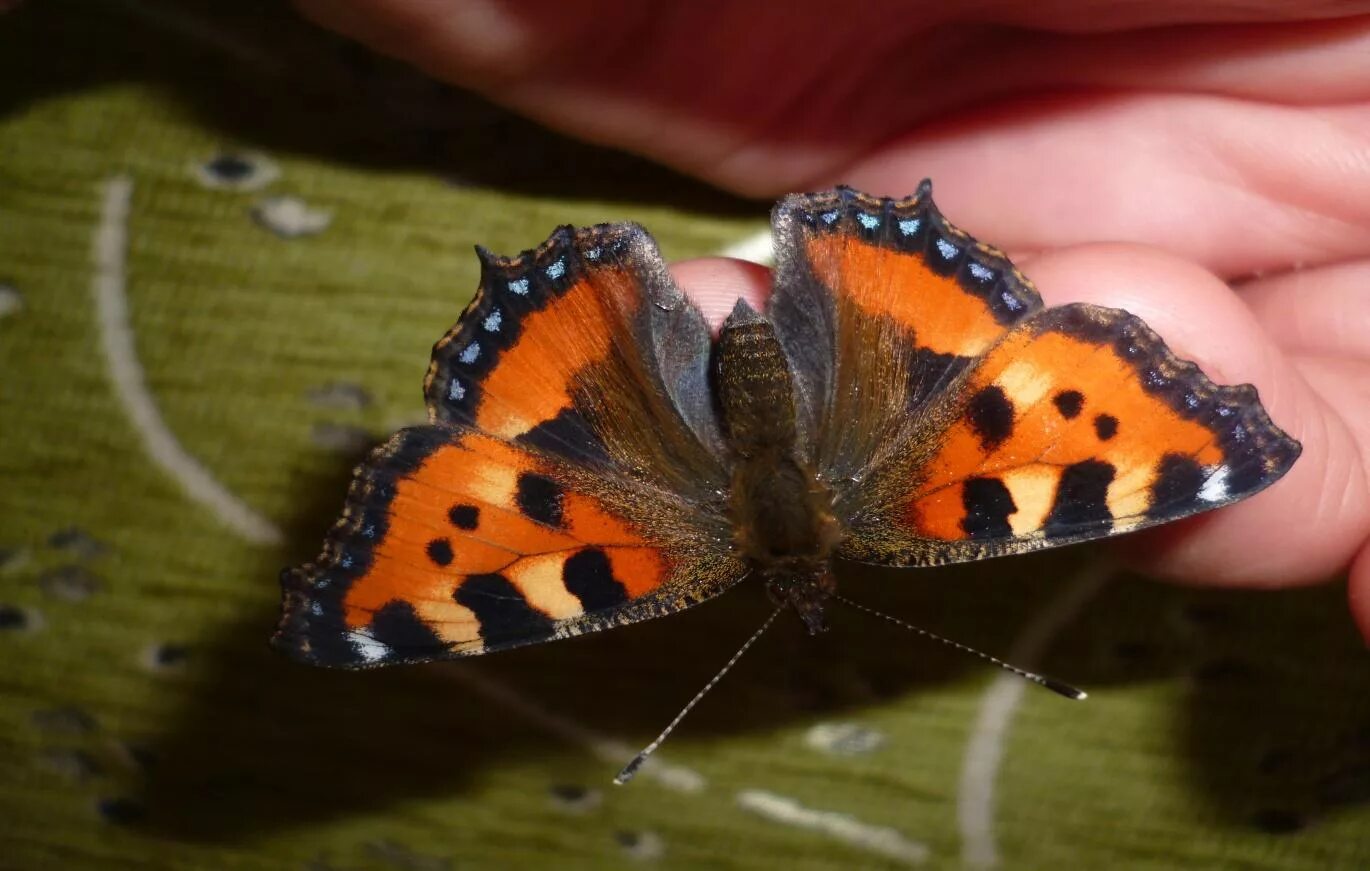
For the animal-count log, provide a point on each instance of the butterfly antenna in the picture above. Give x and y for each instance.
(1052, 684)
(631, 768)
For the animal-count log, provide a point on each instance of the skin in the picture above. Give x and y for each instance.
(1205, 165)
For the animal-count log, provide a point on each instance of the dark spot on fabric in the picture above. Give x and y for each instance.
(1081, 504)
(71, 583)
(170, 655)
(539, 498)
(568, 792)
(1176, 487)
(1105, 426)
(121, 811)
(63, 721)
(988, 504)
(397, 626)
(1278, 821)
(504, 614)
(1069, 403)
(991, 416)
(439, 550)
(590, 578)
(464, 516)
(230, 167)
(78, 543)
(13, 618)
(71, 764)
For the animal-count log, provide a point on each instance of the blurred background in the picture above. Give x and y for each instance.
(228, 240)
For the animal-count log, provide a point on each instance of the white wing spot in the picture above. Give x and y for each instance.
(982, 272)
(492, 321)
(828, 217)
(870, 222)
(947, 249)
(469, 354)
(519, 286)
(592, 254)
(556, 270)
(909, 226)
(367, 647)
(456, 391)
(1215, 486)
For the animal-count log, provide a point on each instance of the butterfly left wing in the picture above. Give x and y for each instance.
(569, 481)
(1080, 423)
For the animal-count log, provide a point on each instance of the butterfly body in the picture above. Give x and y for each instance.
(595, 456)
(786, 529)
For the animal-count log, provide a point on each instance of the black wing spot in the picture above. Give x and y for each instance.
(1081, 504)
(503, 612)
(1105, 426)
(1178, 482)
(988, 504)
(539, 498)
(589, 577)
(991, 416)
(440, 551)
(464, 516)
(397, 626)
(1069, 403)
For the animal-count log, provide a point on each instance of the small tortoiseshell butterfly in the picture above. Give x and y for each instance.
(594, 457)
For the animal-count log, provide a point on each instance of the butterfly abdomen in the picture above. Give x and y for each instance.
(783, 515)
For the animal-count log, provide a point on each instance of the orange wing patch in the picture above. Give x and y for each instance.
(1081, 423)
(935, 307)
(455, 543)
(881, 304)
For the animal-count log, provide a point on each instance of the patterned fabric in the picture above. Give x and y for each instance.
(225, 242)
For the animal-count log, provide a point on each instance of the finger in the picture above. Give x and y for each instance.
(1307, 526)
(1323, 311)
(716, 283)
(1205, 177)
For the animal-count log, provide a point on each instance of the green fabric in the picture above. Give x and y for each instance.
(145, 723)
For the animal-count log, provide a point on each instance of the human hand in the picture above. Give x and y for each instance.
(1204, 165)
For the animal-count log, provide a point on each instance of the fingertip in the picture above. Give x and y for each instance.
(716, 283)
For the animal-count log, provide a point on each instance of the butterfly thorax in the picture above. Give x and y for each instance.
(782, 512)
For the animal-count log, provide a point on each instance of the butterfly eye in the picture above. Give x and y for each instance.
(234, 171)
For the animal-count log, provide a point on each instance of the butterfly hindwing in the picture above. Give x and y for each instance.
(455, 543)
(569, 481)
(1080, 423)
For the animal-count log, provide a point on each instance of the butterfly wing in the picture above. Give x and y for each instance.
(1005, 427)
(881, 305)
(568, 481)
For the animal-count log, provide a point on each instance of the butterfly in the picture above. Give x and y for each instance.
(595, 456)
